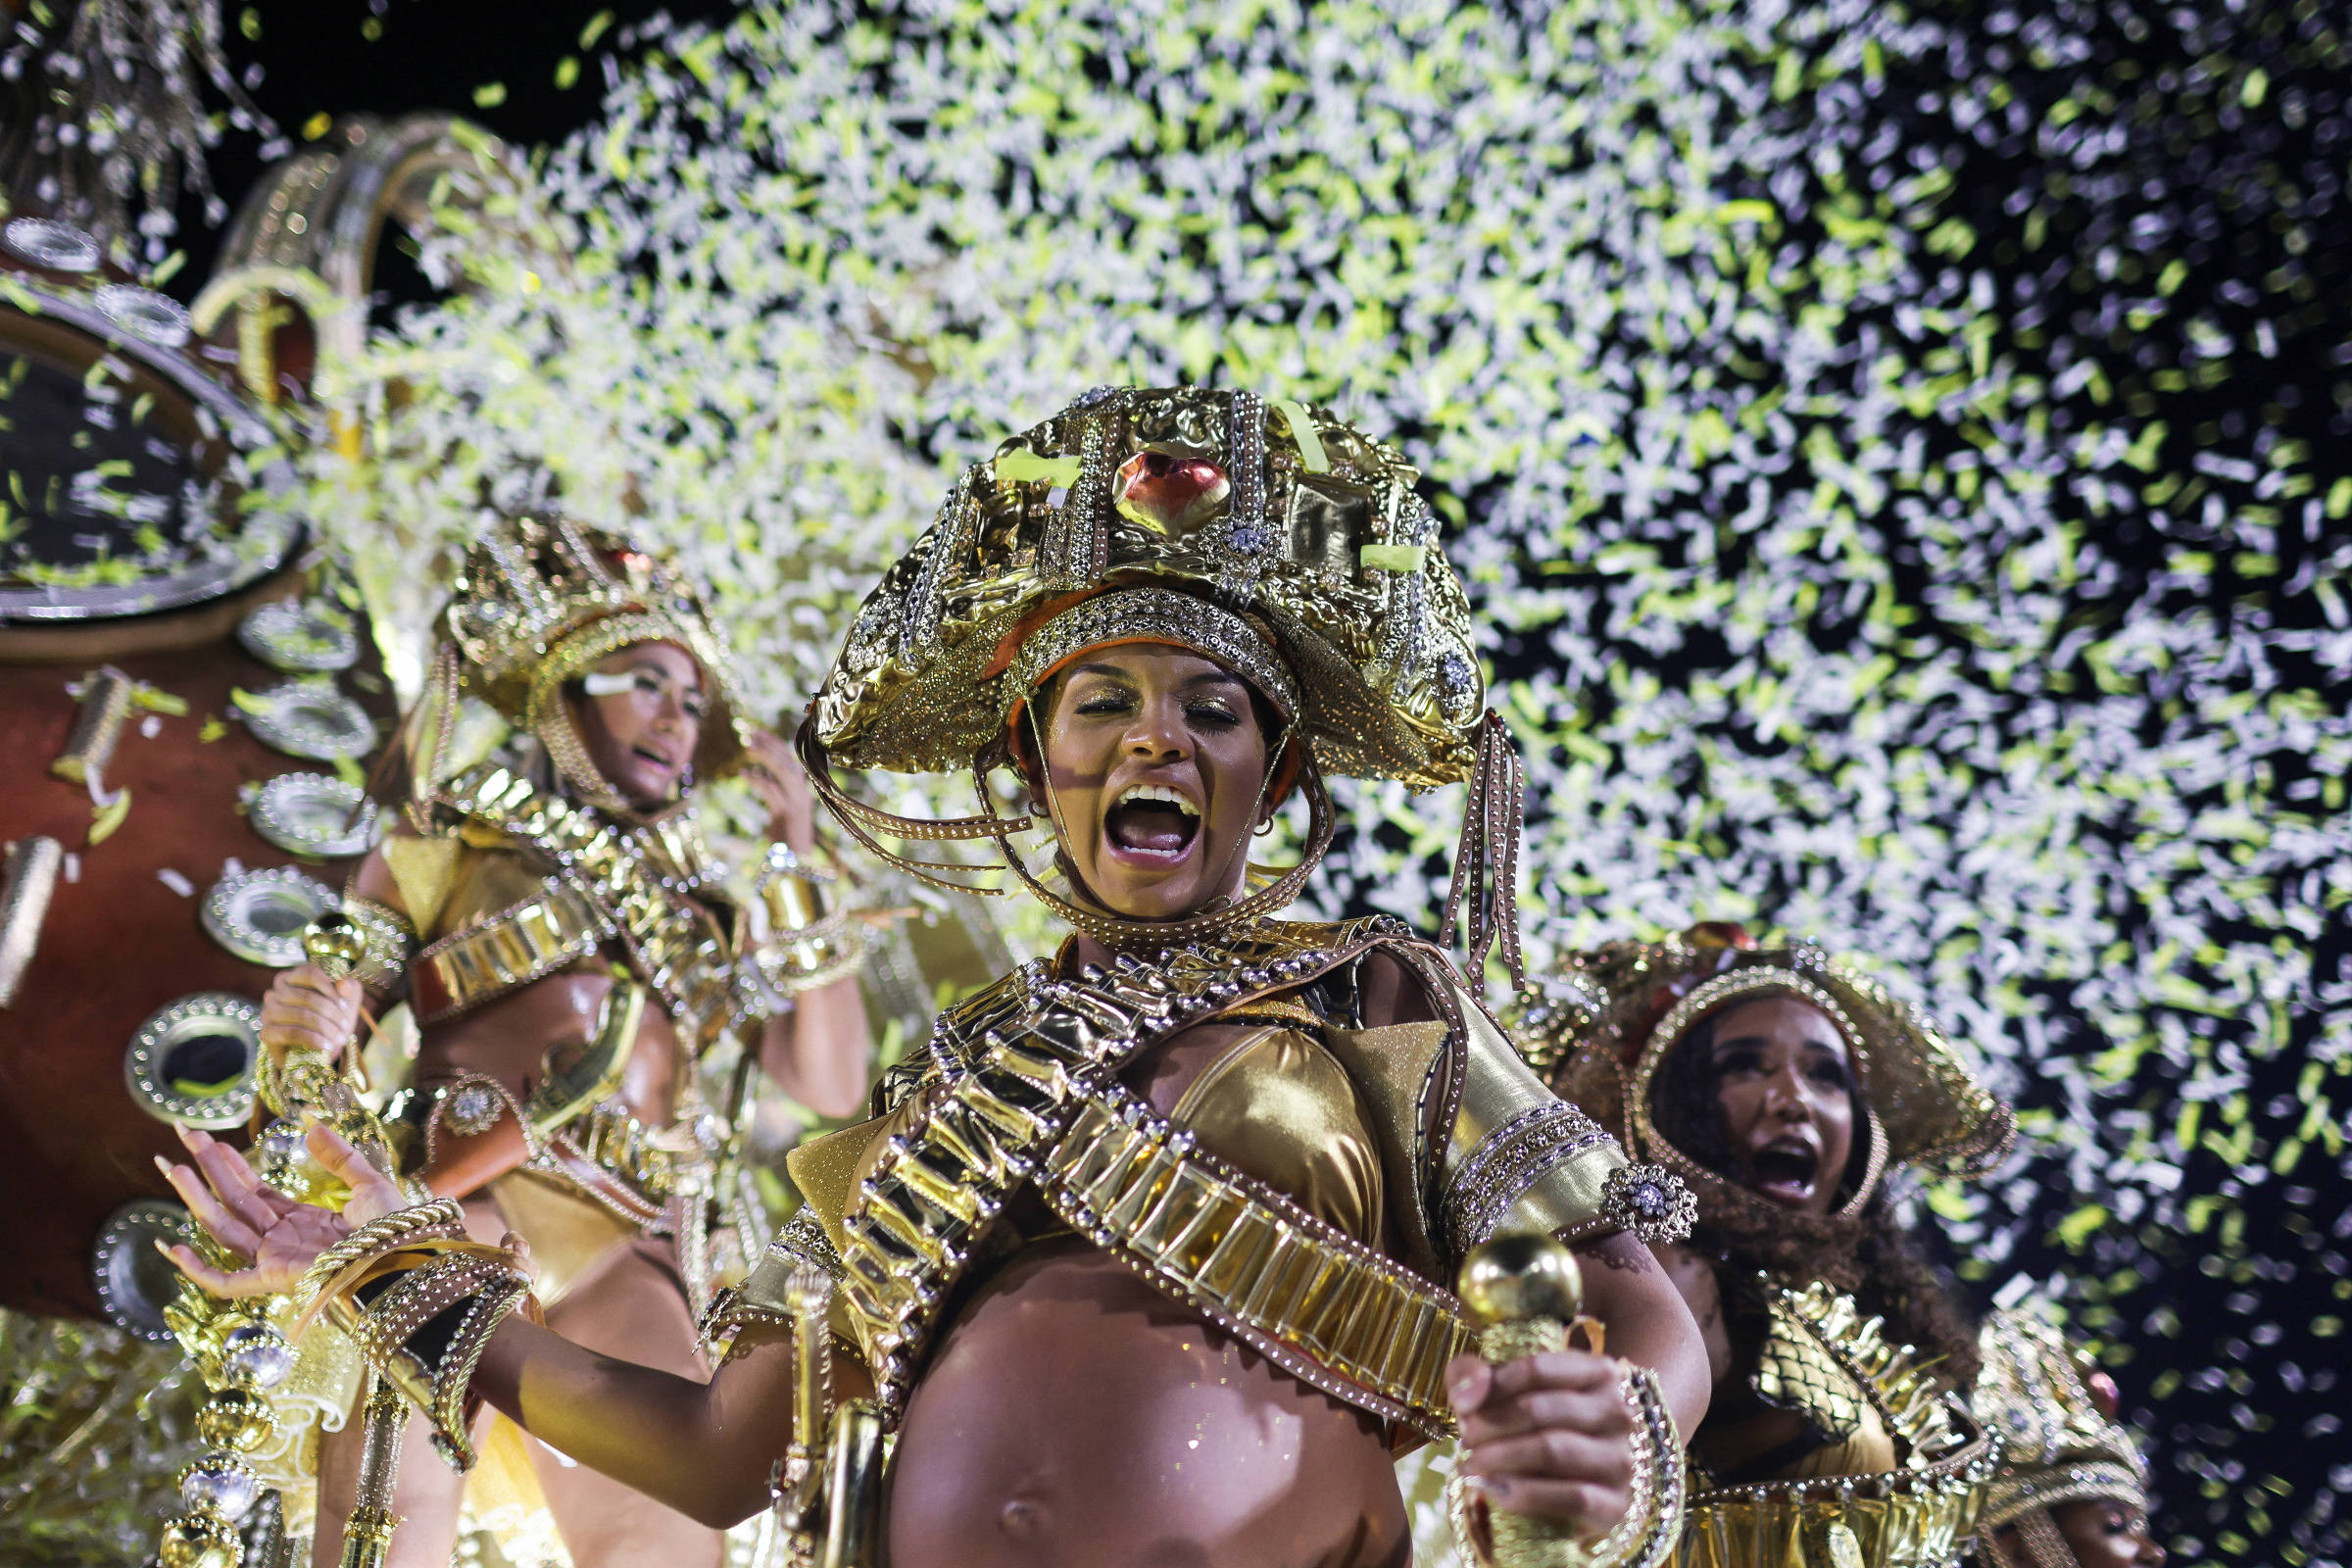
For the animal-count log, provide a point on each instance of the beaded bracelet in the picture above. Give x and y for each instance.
(438, 1219)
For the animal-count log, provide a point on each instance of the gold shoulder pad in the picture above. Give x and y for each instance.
(424, 869)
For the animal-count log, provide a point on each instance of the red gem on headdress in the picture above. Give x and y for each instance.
(2104, 1393)
(1168, 494)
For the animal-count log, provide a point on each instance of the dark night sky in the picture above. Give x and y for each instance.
(494, 61)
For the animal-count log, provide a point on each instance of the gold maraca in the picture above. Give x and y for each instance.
(306, 1082)
(1523, 1294)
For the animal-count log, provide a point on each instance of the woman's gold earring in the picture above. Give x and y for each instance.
(1264, 827)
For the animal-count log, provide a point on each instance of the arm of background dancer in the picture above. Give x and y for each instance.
(1649, 1322)
(821, 1050)
(1695, 1279)
(705, 1449)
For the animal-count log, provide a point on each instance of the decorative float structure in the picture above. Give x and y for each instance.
(189, 694)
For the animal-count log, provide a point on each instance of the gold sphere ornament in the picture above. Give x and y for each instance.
(236, 1420)
(1513, 1279)
(201, 1538)
(334, 945)
(216, 1330)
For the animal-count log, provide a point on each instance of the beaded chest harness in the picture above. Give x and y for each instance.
(634, 885)
(1026, 1091)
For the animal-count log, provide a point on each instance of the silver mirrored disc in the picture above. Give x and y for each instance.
(304, 718)
(144, 314)
(260, 916)
(45, 242)
(135, 1282)
(193, 1060)
(317, 815)
(300, 635)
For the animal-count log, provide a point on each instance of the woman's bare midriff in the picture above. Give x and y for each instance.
(1074, 1416)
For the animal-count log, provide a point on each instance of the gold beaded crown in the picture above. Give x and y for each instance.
(1264, 525)
(2060, 1440)
(540, 599)
(1610, 1017)
(1268, 535)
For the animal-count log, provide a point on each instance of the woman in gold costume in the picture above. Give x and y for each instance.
(1784, 1091)
(1142, 1257)
(2072, 1491)
(572, 952)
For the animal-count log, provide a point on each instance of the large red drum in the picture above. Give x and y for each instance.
(182, 706)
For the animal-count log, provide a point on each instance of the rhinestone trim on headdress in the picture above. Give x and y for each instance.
(1152, 615)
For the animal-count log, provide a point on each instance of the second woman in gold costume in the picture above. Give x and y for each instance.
(1785, 1090)
(572, 953)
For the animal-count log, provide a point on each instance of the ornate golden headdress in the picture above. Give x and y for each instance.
(2056, 1414)
(539, 600)
(1612, 1015)
(1267, 535)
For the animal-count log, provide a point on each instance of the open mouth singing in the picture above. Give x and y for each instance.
(1152, 824)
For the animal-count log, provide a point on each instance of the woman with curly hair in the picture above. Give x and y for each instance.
(1786, 1091)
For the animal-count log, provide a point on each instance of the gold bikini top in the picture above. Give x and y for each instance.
(1279, 1107)
(1304, 1194)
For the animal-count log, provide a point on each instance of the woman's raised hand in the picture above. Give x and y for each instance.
(303, 1009)
(774, 771)
(1547, 1434)
(276, 1238)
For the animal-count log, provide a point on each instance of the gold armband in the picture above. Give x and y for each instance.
(1521, 1159)
(796, 961)
(792, 889)
(419, 1300)
(761, 1310)
(808, 944)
